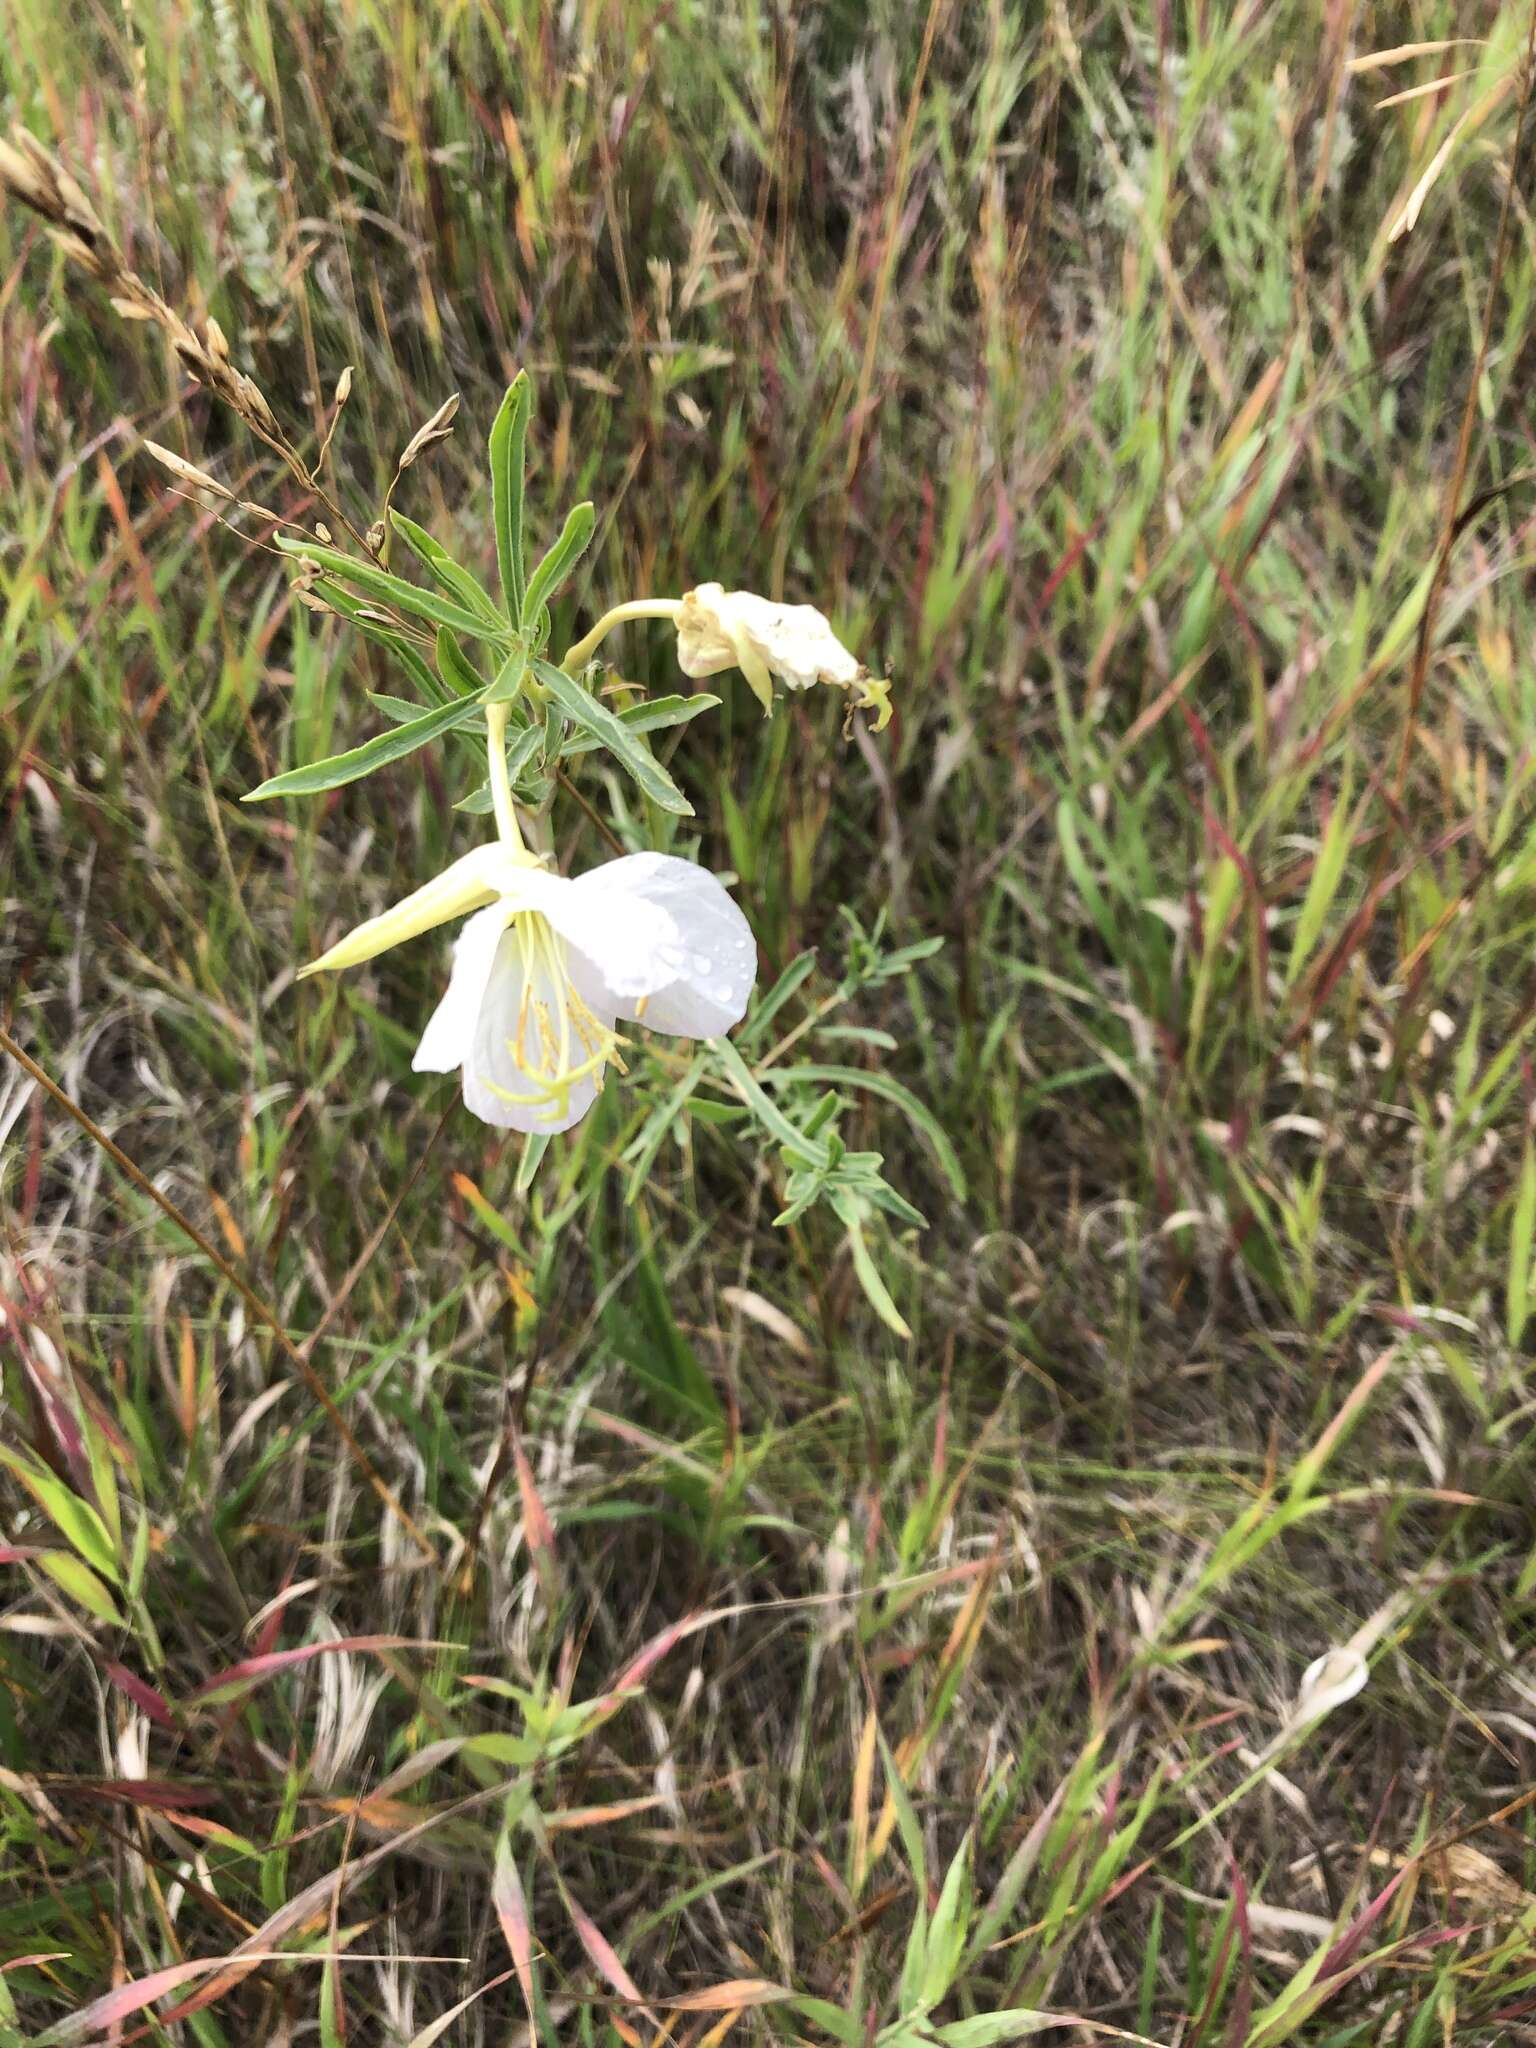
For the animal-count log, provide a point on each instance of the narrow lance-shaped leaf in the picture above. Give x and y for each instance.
(878, 1082)
(384, 635)
(80, 1583)
(75, 1518)
(392, 590)
(591, 715)
(509, 437)
(510, 677)
(455, 667)
(375, 753)
(580, 525)
(511, 1905)
(946, 1932)
(766, 1110)
(522, 749)
(656, 714)
(869, 1276)
(447, 573)
(789, 981)
(237, 1678)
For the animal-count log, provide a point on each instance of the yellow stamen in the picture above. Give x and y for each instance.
(555, 1046)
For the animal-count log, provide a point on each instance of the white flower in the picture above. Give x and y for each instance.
(548, 964)
(1328, 1682)
(719, 629)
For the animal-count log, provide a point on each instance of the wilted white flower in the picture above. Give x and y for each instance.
(548, 964)
(1328, 1682)
(719, 629)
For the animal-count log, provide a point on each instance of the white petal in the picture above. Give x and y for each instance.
(704, 647)
(796, 641)
(507, 1090)
(1328, 1682)
(716, 627)
(710, 964)
(631, 940)
(451, 1028)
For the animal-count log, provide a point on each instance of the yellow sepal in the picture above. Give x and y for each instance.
(467, 884)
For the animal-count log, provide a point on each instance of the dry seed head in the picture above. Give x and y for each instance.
(22, 180)
(436, 429)
(250, 399)
(78, 210)
(80, 251)
(187, 472)
(343, 387)
(40, 181)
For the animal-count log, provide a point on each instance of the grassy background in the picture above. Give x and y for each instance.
(1064, 355)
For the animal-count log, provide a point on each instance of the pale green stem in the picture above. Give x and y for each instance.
(496, 768)
(637, 608)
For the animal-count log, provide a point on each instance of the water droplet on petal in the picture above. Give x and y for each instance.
(702, 963)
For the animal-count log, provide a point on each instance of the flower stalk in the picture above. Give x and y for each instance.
(577, 656)
(496, 771)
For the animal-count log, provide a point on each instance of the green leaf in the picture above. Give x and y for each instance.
(504, 1749)
(946, 1933)
(651, 716)
(580, 525)
(509, 436)
(535, 1145)
(794, 974)
(385, 636)
(375, 753)
(608, 730)
(393, 590)
(1327, 873)
(454, 666)
(1109, 929)
(879, 1083)
(640, 1154)
(73, 1517)
(80, 1583)
(524, 747)
(842, 2026)
(333, 2032)
(510, 677)
(398, 710)
(766, 1110)
(874, 1287)
(447, 573)
(988, 2029)
(651, 1344)
(907, 1824)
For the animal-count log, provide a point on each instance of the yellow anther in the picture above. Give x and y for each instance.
(560, 1044)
